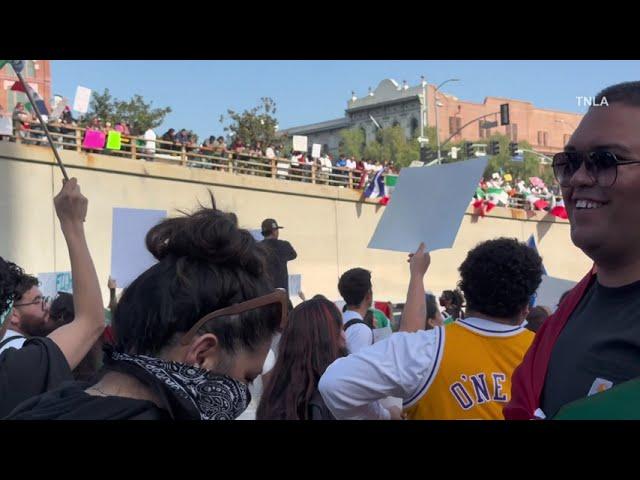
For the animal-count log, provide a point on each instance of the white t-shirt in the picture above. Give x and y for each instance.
(270, 153)
(150, 137)
(15, 343)
(359, 335)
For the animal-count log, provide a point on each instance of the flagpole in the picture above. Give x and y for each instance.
(44, 127)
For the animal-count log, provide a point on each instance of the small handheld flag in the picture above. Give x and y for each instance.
(18, 65)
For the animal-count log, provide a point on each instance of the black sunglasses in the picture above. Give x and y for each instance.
(601, 165)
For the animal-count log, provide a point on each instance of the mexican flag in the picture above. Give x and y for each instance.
(389, 186)
(482, 207)
(537, 202)
(558, 209)
(497, 196)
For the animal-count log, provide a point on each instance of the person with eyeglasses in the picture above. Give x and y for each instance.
(592, 342)
(191, 332)
(28, 318)
(45, 362)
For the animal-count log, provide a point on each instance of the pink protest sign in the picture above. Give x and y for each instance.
(94, 139)
(536, 182)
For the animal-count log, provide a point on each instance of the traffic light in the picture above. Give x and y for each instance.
(468, 149)
(504, 114)
(494, 147)
(513, 149)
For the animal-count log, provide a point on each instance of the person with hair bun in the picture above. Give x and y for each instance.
(190, 332)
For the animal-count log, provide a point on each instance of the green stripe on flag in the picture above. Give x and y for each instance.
(3, 63)
(390, 180)
(494, 190)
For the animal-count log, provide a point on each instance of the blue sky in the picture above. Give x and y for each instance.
(317, 90)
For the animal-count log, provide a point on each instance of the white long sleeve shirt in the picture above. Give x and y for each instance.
(399, 366)
(403, 365)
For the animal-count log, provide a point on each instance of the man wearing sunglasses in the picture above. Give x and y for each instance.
(592, 342)
(29, 315)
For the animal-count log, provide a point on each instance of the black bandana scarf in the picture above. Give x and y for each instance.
(188, 392)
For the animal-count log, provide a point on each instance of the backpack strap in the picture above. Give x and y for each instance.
(355, 321)
(9, 339)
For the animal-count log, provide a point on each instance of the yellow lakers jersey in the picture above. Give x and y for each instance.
(471, 378)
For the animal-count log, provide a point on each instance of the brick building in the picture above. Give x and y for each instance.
(36, 73)
(393, 104)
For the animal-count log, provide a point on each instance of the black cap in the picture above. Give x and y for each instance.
(269, 225)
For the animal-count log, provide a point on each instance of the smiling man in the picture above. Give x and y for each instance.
(592, 342)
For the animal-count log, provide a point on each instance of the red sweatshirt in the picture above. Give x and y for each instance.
(528, 379)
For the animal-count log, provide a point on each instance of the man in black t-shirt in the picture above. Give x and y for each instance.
(43, 363)
(593, 341)
(279, 252)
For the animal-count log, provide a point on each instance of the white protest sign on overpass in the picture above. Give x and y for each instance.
(82, 99)
(58, 109)
(300, 143)
(428, 205)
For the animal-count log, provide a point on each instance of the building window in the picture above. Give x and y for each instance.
(454, 124)
(15, 97)
(29, 69)
(414, 127)
(543, 138)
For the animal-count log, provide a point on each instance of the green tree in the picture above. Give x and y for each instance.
(352, 141)
(139, 114)
(101, 106)
(255, 125)
(389, 144)
(529, 167)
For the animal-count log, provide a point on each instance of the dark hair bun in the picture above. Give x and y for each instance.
(208, 235)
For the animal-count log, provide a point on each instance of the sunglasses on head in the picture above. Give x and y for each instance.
(601, 165)
(277, 298)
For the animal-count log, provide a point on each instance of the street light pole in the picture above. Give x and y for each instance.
(435, 101)
(423, 113)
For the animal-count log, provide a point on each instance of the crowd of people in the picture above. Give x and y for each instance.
(501, 189)
(247, 156)
(191, 333)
